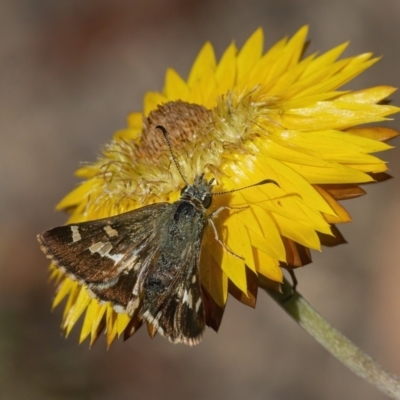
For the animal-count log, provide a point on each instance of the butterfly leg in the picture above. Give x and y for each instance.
(218, 210)
(211, 222)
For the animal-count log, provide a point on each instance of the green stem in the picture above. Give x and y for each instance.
(337, 344)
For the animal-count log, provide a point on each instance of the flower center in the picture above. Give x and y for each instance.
(183, 122)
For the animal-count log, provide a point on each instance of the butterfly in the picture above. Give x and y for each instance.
(146, 261)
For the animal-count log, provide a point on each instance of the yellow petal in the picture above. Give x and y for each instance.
(335, 75)
(75, 197)
(135, 120)
(335, 174)
(341, 214)
(290, 207)
(122, 322)
(250, 54)
(281, 151)
(273, 245)
(374, 132)
(287, 80)
(175, 87)
(326, 115)
(267, 266)
(326, 59)
(282, 57)
(55, 275)
(297, 232)
(151, 101)
(112, 326)
(295, 45)
(203, 89)
(76, 311)
(249, 219)
(225, 73)
(231, 264)
(127, 134)
(373, 168)
(204, 62)
(369, 96)
(98, 313)
(90, 318)
(292, 182)
(214, 280)
(72, 296)
(265, 69)
(63, 290)
(88, 171)
(238, 240)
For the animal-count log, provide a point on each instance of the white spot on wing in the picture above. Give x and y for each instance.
(76, 236)
(194, 279)
(129, 264)
(104, 249)
(176, 320)
(115, 257)
(118, 308)
(96, 248)
(198, 304)
(111, 232)
(188, 298)
(132, 306)
(154, 321)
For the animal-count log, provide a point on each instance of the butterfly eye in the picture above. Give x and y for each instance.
(183, 190)
(206, 201)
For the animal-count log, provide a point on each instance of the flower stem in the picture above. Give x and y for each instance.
(337, 344)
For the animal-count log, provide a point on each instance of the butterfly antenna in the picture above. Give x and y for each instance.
(165, 133)
(264, 182)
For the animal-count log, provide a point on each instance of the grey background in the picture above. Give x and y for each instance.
(70, 72)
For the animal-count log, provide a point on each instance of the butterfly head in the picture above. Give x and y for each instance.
(200, 190)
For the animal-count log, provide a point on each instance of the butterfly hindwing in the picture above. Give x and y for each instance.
(172, 290)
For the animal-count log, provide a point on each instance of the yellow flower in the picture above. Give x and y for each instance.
(249, 117)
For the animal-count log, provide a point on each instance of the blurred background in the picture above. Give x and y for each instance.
(70, 72)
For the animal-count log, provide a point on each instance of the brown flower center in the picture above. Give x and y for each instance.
(183, 122)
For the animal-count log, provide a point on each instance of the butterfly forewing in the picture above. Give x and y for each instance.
(106, 253)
